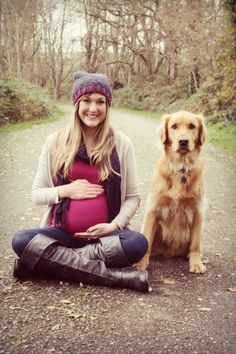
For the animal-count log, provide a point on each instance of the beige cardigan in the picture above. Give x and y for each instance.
(45, 192)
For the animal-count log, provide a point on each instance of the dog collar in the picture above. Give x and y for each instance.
(182, 177)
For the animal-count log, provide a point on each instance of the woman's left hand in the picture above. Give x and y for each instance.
(97, 231)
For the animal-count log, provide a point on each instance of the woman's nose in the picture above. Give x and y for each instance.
(93, 107)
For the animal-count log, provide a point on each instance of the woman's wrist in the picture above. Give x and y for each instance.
(114, 226)
(62, 192)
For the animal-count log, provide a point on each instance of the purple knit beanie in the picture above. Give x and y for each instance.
(90, 83)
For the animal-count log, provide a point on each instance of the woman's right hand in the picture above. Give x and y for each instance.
(80, 189)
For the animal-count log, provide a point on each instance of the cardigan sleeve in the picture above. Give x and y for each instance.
(43, 191)
(129, 185)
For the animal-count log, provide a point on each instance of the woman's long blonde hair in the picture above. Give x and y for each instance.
(73, 136)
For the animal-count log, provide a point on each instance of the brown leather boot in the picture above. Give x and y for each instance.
(107, 249)
(20, 271)
(45, 255)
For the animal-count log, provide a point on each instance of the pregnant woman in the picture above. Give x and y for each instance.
(87, 177)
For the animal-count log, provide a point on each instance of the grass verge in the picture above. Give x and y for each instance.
(221, 135)
(155, 115)
(14, 127)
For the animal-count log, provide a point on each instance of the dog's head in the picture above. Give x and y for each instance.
(183, 131)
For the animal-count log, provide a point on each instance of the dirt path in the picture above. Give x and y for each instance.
(194, 314)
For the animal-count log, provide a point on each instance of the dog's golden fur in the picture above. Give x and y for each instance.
(173, 219)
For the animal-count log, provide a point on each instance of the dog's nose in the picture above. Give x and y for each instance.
(183, 142)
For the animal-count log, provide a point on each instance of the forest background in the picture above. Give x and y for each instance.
(160, 55)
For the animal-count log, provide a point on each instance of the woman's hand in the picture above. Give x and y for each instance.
(97, 231)
(80, 189)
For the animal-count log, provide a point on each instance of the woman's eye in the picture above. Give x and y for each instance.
(191, 126)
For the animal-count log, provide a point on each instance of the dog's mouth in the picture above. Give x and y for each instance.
(183, 146)
(183, 149)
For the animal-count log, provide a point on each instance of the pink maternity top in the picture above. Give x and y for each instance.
(84, 213)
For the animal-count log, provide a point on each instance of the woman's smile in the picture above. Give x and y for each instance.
(92, 116)
(92, 109)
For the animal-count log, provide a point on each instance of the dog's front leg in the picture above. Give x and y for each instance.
(148, 229)
(195, 262)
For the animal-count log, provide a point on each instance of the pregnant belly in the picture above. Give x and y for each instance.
(85, 213)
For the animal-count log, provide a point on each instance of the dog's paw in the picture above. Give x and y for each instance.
(195, 263)
(198, 268)
(143, 264)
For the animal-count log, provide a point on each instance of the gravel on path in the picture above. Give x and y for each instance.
(185, 313)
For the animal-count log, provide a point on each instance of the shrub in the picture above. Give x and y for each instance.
(152, 96)
(22, 101)
(214, 101)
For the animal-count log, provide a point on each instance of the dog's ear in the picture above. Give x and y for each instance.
(202, 135)
(164, 129)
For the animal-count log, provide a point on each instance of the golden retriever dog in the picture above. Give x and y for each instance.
(173, 218)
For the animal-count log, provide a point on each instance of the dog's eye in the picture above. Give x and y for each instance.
(174, 126)
(191, 126)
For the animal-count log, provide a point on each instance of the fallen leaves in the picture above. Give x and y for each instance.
(18, 342)
(51, 307)
(205, 309)
(10, 256)
(169, 281)
(232, 290)
(75, 315)
(218, 211)
(18, 308)
(56, 327)
(68, 309)
(65, 301)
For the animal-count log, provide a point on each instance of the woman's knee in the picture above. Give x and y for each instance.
(135, 245)
(19, 242)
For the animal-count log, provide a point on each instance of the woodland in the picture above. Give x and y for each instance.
(160, 55)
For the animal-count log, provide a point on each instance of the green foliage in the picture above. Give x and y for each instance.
(152, 96)
(21, 101)
(216, 98)
(8, 127)
(215, 102)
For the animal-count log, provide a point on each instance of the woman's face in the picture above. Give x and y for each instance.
(92, 110)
